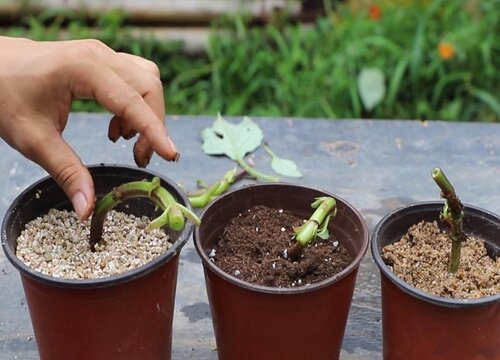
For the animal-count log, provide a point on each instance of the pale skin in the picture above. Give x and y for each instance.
(38, 82)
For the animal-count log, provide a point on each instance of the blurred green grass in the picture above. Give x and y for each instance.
(290, 69)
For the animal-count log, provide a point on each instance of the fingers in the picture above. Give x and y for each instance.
(90, 79)
(142, 148)
(146, 64)
(62, 163)
(118, 127)
(114, 130)
(128, 86)
(142, 152)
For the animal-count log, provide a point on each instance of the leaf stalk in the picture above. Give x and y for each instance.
(256, 173)
(173, 216)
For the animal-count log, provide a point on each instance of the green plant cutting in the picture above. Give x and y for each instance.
(207, 193)
(173, 215)
(316, 226)
(452, 214)
(236, 141)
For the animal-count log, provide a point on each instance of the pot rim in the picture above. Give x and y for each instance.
(105, 281)
(411, 290)
(285, 290)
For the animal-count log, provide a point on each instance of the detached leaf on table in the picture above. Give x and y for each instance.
(234, 141)
(283, 166)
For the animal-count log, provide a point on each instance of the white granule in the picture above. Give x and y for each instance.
(57, 244)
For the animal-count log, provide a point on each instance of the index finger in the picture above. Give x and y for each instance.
(94, 79)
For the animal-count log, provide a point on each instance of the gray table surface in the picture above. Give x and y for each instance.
(375, 165)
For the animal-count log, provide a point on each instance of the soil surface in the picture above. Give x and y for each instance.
(57, 244)
(422, 256)
(254, 248)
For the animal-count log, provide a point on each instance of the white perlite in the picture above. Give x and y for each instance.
(57, 244)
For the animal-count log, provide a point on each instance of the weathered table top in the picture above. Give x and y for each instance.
(375, 165)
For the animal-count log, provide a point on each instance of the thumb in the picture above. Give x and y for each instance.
(64, 165)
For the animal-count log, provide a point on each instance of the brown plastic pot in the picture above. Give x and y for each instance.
(259, 322)
(125, 316)
(418, 325)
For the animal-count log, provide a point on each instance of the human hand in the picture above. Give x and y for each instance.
(39, 80)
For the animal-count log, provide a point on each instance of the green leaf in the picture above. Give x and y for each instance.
(445, 81)
(486, 98)
(234, 141)
(417, 51)
(353, 92)
(371, 84)
(318, 201)
(283, 166)
(323, 232)
(396, 81)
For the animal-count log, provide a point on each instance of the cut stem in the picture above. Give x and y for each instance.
(317, 225)
(452, 214)
(173, 215)
(202, 197)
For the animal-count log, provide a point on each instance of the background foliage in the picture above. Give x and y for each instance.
(405, 60)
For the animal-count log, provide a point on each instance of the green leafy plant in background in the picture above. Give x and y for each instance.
(435, 59)
(314, 71)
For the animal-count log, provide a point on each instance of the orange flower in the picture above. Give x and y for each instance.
(374, 12)
(446, 50)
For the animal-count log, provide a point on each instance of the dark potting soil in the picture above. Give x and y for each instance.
(421, 258)
(253, 247)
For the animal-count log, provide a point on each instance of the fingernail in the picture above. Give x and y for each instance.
(172, 145)
(80, 204)
(147, 157)
(114, 138)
